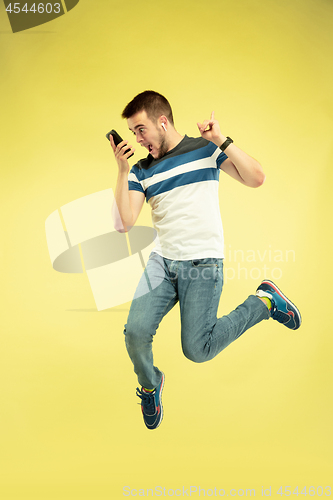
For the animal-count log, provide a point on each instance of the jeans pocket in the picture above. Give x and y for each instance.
(207, 262)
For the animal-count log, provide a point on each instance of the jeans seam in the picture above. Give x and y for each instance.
(209, 313)
(163, 312)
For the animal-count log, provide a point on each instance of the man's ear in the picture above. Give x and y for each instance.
(163, 122)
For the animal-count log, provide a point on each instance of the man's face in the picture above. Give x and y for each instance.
(148, 134)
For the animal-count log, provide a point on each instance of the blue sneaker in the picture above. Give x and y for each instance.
(283, 310)
(151, 405)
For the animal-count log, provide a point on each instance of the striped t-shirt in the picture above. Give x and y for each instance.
(182, 190)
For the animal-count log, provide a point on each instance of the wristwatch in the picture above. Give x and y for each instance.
(226, 143)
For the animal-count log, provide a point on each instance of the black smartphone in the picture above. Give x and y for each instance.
(117, 139)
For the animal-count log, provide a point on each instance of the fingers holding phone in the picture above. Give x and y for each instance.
(122, 150)
(113, 146)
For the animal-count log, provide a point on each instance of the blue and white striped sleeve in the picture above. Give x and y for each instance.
(220, 159)
(133, 183)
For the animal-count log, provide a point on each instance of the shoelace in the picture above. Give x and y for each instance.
(280, 316)
(148, 401)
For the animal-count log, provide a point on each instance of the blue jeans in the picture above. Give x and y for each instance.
(197, 285)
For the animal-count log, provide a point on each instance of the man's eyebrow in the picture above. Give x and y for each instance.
(137, 126)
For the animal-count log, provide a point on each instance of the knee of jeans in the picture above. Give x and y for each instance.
(193, 354)
(138, 333)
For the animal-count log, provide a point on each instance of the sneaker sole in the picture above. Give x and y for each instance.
(277, 290)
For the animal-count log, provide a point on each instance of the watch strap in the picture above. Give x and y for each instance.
(226, 143)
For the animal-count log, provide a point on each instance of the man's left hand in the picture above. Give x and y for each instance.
(210, 130)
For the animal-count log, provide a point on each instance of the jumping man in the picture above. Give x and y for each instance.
(179, 178)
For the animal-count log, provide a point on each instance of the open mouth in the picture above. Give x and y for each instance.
(148, 146)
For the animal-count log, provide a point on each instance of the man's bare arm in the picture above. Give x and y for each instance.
(127, 204)
(239, 164)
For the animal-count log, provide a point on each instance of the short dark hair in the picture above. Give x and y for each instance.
(153, 103)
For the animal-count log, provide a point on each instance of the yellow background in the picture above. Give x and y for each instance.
(258, 415)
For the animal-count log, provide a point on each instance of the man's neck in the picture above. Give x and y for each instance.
(174, 139)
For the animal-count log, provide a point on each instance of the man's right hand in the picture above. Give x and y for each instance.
(120, 155)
